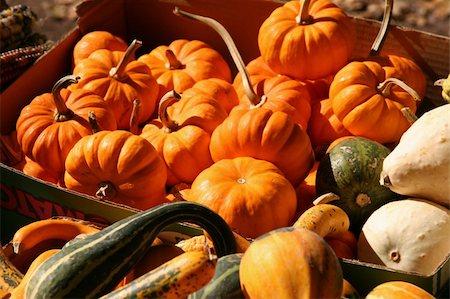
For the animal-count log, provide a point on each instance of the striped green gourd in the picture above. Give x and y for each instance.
(225, 282)
(93, 266)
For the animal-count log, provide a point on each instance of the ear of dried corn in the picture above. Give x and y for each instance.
(16, 25)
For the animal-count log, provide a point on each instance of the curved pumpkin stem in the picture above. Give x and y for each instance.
(303, 17)
(253, 97)
(172, 61)
(167, 100)
(409, 115)
(134, 118)
(384, 29)
(63, 113)
(384, 88)
(118, 72)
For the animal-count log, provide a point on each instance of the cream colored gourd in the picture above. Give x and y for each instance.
(410, 235)
(419, 166)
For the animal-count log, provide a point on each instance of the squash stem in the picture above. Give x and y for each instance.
(166, 101)
(118, 72)
(384, 88)
(172, 62)
(95, 127)
(303, 17)
(253, 97)
(134, 118)
(105, 191)
(63, 112)
(384, 29)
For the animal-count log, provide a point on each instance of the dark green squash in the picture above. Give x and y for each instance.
(351, 170)
(225, 282)
(94, 265)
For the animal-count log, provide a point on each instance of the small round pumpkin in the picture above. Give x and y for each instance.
(183, 147)
(252, 195)
(290, 263)
(119, 79)
(96, 40)
(399, 290)
(183, 62)
(117, 166)
(307, 39)
(52, 123)
(263, 134)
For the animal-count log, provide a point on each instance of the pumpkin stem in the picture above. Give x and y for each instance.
(409, 115)
(384, 29)
(384, 88)
(253, 97)
(172, 62)
(93, 122)
(63, 113)
(118, 72)
(394, 256)
(167, 100)
(303, 17)
(106, 191)
(134, 118)
(439, 82)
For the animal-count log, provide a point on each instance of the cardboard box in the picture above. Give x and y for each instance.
(25, 199)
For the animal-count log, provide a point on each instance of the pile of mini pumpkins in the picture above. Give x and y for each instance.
(173, 125)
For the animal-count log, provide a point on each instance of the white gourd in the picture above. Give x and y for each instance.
(410, 235)
(419, 166)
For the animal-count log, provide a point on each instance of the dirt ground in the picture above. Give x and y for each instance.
(58, 16)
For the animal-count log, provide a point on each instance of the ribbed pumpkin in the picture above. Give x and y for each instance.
(119, 79)
(183, 62)
(251, 195)
(307, 39)
(266, 135)
(96, 40)
(290, 263)
(182, 146)
(117, 166)
(398, 290)
(220, 90)
(52, 123)
(365, 98)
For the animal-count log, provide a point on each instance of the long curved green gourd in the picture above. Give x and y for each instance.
(94, 265)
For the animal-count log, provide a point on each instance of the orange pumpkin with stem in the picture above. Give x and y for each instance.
(119, 79)
(368, 95)
(266, 135)
(183, 147)
(117, 166)
(232, 188)
(183, 62)
(307, 39)
(96, 40)
(277, 93)
(54, 122)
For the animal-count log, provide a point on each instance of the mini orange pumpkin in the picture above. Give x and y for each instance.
(183, 62)
(119, 79)
(184, 147)
(52, 123)
(232, 188)
(117, 166)
(399, 290)
(266, 135)
(307, 39)
(96, 40)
